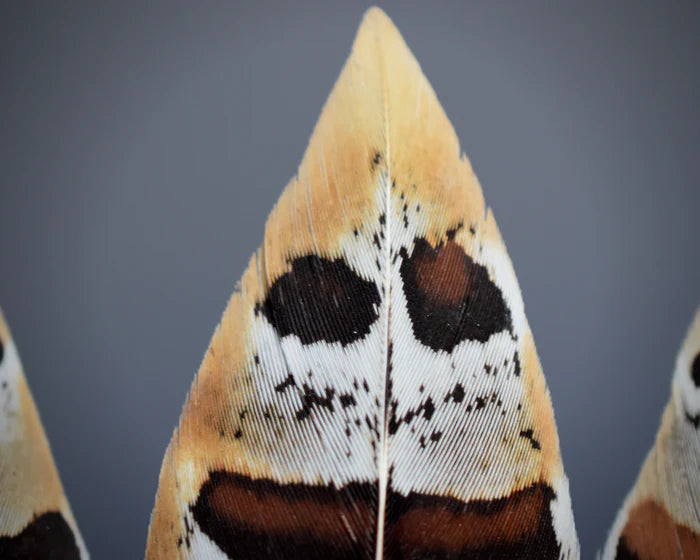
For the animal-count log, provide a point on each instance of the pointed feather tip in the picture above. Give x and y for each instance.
(378, 32)
(376, 18)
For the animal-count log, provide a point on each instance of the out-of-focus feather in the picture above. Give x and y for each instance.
(660, 518)
(372, 390)
(35, 518)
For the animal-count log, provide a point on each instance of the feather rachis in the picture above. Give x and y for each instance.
(353, 399)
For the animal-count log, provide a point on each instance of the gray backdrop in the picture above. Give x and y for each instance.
(143, 146)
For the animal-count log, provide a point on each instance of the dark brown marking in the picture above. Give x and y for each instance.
(250, 519)
(652, 534)
(47, 536)
(450, 297)
(515, 527)
(321, 300)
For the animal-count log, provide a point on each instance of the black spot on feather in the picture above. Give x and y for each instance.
(321, 300)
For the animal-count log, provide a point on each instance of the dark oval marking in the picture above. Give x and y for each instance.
(695, 370)
(450, 297)
(260, 519)
(516, 527)
(48, 536)
(322, 300)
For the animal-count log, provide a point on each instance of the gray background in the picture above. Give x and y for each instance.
(143, 146)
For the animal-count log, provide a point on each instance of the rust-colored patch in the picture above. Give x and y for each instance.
(517, 526)
(652, 534)
(445, 274)
(450, 297)
(249, 518)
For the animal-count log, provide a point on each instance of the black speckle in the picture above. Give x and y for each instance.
(472, 229)
(435, 436)
(451, 233)
(457, 394)
(417, 207)
(426, 407)
(2, 351)
(376, 158)
(375, 240)
(311, 399)
(355, 232)
(382, 219)
(487, 368)
(347, 400)
(238, 434)
(528, 434)
(480, 403)
(322, 300)
(365, 385)
(288, 382)
(516, 361)
(695, 370)
(256, 359)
